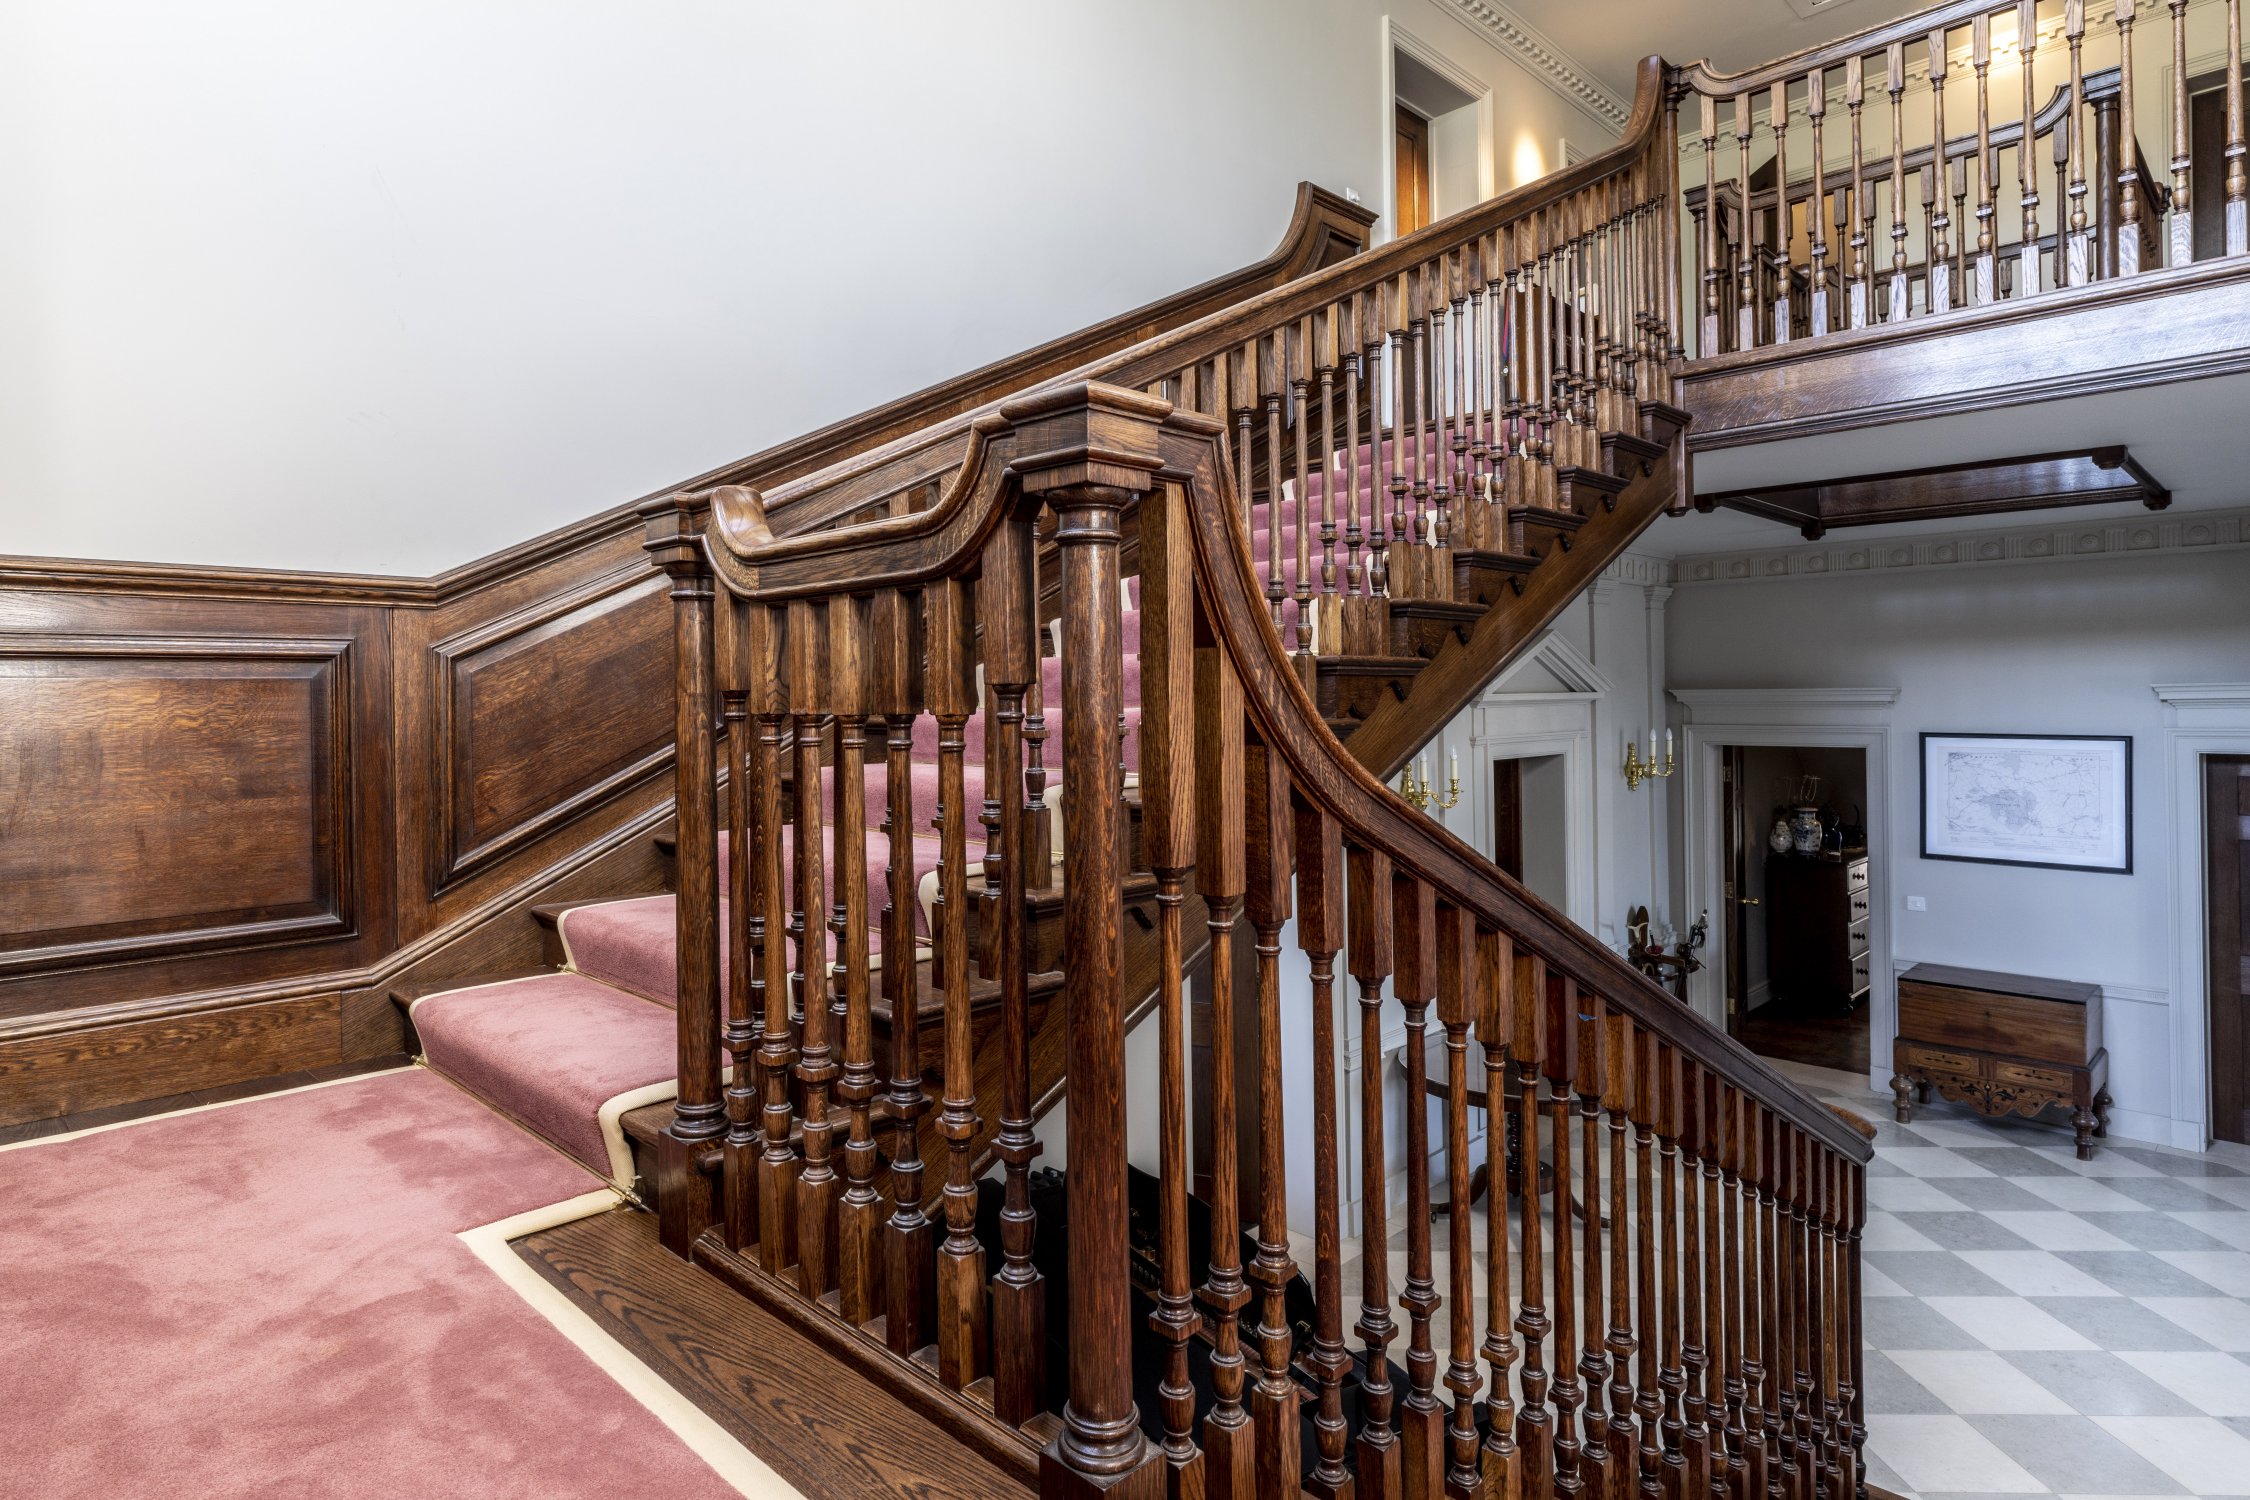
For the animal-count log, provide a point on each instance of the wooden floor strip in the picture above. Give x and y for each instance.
(822, 1426)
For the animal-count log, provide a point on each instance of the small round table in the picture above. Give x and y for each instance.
(1438, 1083)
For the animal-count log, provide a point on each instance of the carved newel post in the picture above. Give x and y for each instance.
(686, 1202)
(1086, 451)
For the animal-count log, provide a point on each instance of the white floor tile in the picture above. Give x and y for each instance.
(1907, 1195)
(2007, 1323)
(2080, 1195)
(1886, 1232)
(2104, 1164)
(1948, 1133)
(2035, 1273)
(2227, 1270)
(1932, 1161)
(2227, 1228)
(2218, 1385)
(1873, 1283)
(2202, 1453)
(1932, 1453)
(2235, 1190)
(1978, 1383)
(2054, 1229)
(2221, 1322)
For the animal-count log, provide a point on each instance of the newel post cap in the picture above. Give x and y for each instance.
(1087, 435)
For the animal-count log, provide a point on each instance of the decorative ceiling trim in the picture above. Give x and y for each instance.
(2053, 542)
(1526, 43)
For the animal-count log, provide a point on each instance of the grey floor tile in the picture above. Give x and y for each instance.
(2069, 1453)
(1969, 1230)
(1934, 1273)
(2175, 1163)
(1888, 1132)
(1882, 1476)
(2170, 1193)
(2134, 1273)
(1891, 1392)
(2154, 1230)
(2013, 1161)
(2098, 1383)
(1910, 1323)
(1880, 1167)
(2117, 1324)
(1989, 1194)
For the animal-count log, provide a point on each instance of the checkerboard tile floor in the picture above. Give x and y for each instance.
(2039, 1325)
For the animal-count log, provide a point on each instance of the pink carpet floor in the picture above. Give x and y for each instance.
(268, 1299)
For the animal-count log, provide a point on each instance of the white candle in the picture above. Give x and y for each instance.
(1453, 764)
(1667, 744)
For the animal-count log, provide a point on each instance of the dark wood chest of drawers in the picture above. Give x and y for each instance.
(2002, 1044)
(1816, 929)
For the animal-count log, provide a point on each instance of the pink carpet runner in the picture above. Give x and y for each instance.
(268, 1299)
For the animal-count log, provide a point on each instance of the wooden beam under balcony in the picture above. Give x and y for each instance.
(2094, 476)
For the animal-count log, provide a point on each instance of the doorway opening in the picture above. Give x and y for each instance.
(1529, 838)
(1796, 879)
(2226, 844)
(1441, 129)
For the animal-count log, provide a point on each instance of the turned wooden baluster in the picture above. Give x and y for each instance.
(1618, 1085)
(1804, 1273)
(1496, 1023)
(1483, 277)
(1669, 1301)
(1458, 1002)
(1696, 1324)
(1723, 1269)
(739, 1152)
(1458, 410)
(1816, 111)
(1376, 1450)
(1983, 284)
(818, 1186)
(1415, 390)
(2027, 175)
(1593, 1360)
(2238, 152)
(1168, 832)
(1421, 1420)
(1894, 62)
(1779, 1309)
(2078, 260)
(1345, 325)
(1272, 382)
(2182, 206)
(1656, 1383)
(1957, 167)
(1298, 349)
(859, 1213)
(1006, 608)
(2127, 188)
(1320, 932)
(1242, 381)
(1514, 471)
(1270, 831)
(1757, 1282)
(1536, 1435)
(1229, 1459)
(1398, 563)
(1852, 1209)
(777, 1166)
(1708, 343)
(685, 1199)
(1938, 283)
(1777, 113)
(1855, 97)
(961, 1314)
(1565, 1041)
(1554, 409)
(1745, 295)
(1327, 629)
(909, 1267)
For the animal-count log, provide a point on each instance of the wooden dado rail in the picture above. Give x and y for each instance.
(1688, 1305)
(2051, 193)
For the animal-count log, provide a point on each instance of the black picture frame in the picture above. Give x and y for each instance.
(2124, 744)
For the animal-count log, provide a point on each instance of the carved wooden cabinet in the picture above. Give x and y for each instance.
(2002, 1044)
(1816, 929)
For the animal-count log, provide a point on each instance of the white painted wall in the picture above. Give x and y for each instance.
(2069, 646)
(385, 288)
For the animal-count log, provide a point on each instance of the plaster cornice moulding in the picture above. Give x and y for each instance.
(1528, 45)
(2065, 542)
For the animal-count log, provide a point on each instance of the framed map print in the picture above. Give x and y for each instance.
(2060, 802)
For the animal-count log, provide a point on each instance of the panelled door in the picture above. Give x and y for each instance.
(2226, 830)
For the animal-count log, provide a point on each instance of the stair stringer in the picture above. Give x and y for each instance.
(1462, 669)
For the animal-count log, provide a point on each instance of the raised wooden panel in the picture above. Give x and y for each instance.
(544, 715)
(162, 796)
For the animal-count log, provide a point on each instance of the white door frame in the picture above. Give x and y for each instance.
(1844, 718)
(2199, 719)
(1397, 39)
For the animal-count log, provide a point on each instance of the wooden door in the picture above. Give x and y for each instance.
(1735, 872)
(1507, 816)
(2226, 830)
(1412, 202)
(2207, 145)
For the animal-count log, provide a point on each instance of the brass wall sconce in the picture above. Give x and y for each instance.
(1638, 770)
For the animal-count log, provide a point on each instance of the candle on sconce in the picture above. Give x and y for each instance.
(1453, 765)
(1667, 744)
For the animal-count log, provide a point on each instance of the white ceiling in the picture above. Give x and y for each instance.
(2186, 434)
(1610, 37)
